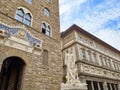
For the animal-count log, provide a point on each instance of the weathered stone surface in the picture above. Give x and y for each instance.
(75, 86)
(36, 75)
(87, 50)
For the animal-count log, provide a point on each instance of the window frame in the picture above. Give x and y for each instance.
(90, 55)
(46, 30)
(24, 19)
(19, 16)
(83, 53)
(46, 12)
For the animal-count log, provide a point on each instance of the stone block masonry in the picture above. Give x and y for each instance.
(21, 63)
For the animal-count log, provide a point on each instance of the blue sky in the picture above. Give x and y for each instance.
(99, 17)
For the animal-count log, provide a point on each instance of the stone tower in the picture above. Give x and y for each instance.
(30, 57)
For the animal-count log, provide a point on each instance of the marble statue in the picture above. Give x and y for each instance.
(72, 74)
(73, 82)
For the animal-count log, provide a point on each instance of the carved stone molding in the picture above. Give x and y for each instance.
(75, 86)
(20, 38)
(85, 68)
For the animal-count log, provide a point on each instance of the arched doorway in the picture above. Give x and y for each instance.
(12, 73)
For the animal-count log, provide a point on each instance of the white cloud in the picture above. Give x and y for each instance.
(95, 19)
(67, 5)
(110, 36)
(68, 8)
(92, 19)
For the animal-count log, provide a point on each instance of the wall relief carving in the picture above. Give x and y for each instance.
(19, 37)
(98, 71)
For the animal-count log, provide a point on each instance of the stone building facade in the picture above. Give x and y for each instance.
(30, 53)
(97, 62)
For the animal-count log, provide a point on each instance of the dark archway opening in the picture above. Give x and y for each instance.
(12, 73)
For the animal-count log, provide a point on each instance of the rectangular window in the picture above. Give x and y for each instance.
(115, 66)
(101, 85)
(101, 59)
(104, 61)
(83, 54)
(95, 57)
(89, 85)
(95, 84)
(116, 85)
(108, 63)
(89, 56)
(108, 86)
(113, 88)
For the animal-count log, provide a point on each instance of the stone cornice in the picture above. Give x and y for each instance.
(96, 65)
(93, 70)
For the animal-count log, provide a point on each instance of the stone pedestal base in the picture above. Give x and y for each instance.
(75, 86)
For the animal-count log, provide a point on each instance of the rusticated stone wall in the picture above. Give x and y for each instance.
(9, 8)
(37, 76)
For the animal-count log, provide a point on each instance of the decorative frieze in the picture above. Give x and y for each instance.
(92, 56)
(20, 38)
(85, 68)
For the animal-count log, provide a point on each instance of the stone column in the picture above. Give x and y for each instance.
(92, 85)
(110, 86)
(118, 86)
(105, 86)
(115, 87)
(98, 85)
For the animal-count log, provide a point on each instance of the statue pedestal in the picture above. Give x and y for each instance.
(74, 86)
